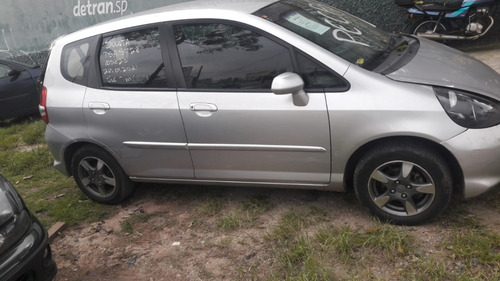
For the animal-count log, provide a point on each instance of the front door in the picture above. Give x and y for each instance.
(237, 129)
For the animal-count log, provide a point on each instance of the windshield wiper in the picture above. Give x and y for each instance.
(395, 42)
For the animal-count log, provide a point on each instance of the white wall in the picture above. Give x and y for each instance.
(28, 26)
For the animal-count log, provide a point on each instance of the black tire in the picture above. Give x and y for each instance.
(403, 183)
(99, 176)
(426, 26)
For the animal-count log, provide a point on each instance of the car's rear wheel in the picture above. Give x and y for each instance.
(427, 26)
(403, 183)
(99, 176)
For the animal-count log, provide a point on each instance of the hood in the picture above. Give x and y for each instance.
(438, 65)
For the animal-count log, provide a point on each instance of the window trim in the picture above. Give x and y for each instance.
(96, 80)
(340, 89)
(87, 64)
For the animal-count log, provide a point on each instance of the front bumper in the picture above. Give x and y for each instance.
(30, 259)
(478, 153)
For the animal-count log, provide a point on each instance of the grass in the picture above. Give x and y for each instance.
(472, 254)
(298, 255)
(211, 208)
(478, 246)
(140, 217)
(428, 269)
(127, 226)
(304, 250)
(33, 133)
(246, 214)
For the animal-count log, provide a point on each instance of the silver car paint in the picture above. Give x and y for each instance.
(475, 151)
(450, 68)
(67, 124)
(258, 137)
(375, 107)
(137, 116)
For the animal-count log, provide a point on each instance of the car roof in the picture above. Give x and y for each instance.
(211, 7)
(244, 6)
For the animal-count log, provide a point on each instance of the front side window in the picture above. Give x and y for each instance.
(223, 56)
(132, 60)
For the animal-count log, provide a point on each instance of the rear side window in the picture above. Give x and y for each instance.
(132, 60)
(75, 61)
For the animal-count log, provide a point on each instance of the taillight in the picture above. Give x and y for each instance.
(43, 106)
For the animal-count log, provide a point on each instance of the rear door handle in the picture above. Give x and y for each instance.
(203, 109)
(99, 108)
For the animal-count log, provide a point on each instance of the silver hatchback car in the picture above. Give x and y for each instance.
(289, 93)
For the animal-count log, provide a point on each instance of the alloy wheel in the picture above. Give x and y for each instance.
(96, 177)
(401, 188)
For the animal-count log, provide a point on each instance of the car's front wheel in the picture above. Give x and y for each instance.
(99, 176)
(403, 183)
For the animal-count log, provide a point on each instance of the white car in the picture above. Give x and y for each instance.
(289, 93)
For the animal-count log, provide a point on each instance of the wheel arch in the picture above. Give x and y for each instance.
(456, 170)
(70, 151)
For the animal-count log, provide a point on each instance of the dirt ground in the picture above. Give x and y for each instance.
(175, 242)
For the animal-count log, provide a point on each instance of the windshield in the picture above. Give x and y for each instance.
(339, 32)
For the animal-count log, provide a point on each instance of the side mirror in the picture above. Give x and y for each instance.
(14, 73)
(290, 83)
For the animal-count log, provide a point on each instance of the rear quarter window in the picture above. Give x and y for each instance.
(75, 61)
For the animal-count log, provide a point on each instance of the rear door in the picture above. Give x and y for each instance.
(237, 129)
(134, 111)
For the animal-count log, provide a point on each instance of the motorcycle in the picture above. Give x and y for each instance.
(463, 20)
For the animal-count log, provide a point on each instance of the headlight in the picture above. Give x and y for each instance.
(469, 110)
(10, 201)
(14, 219)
